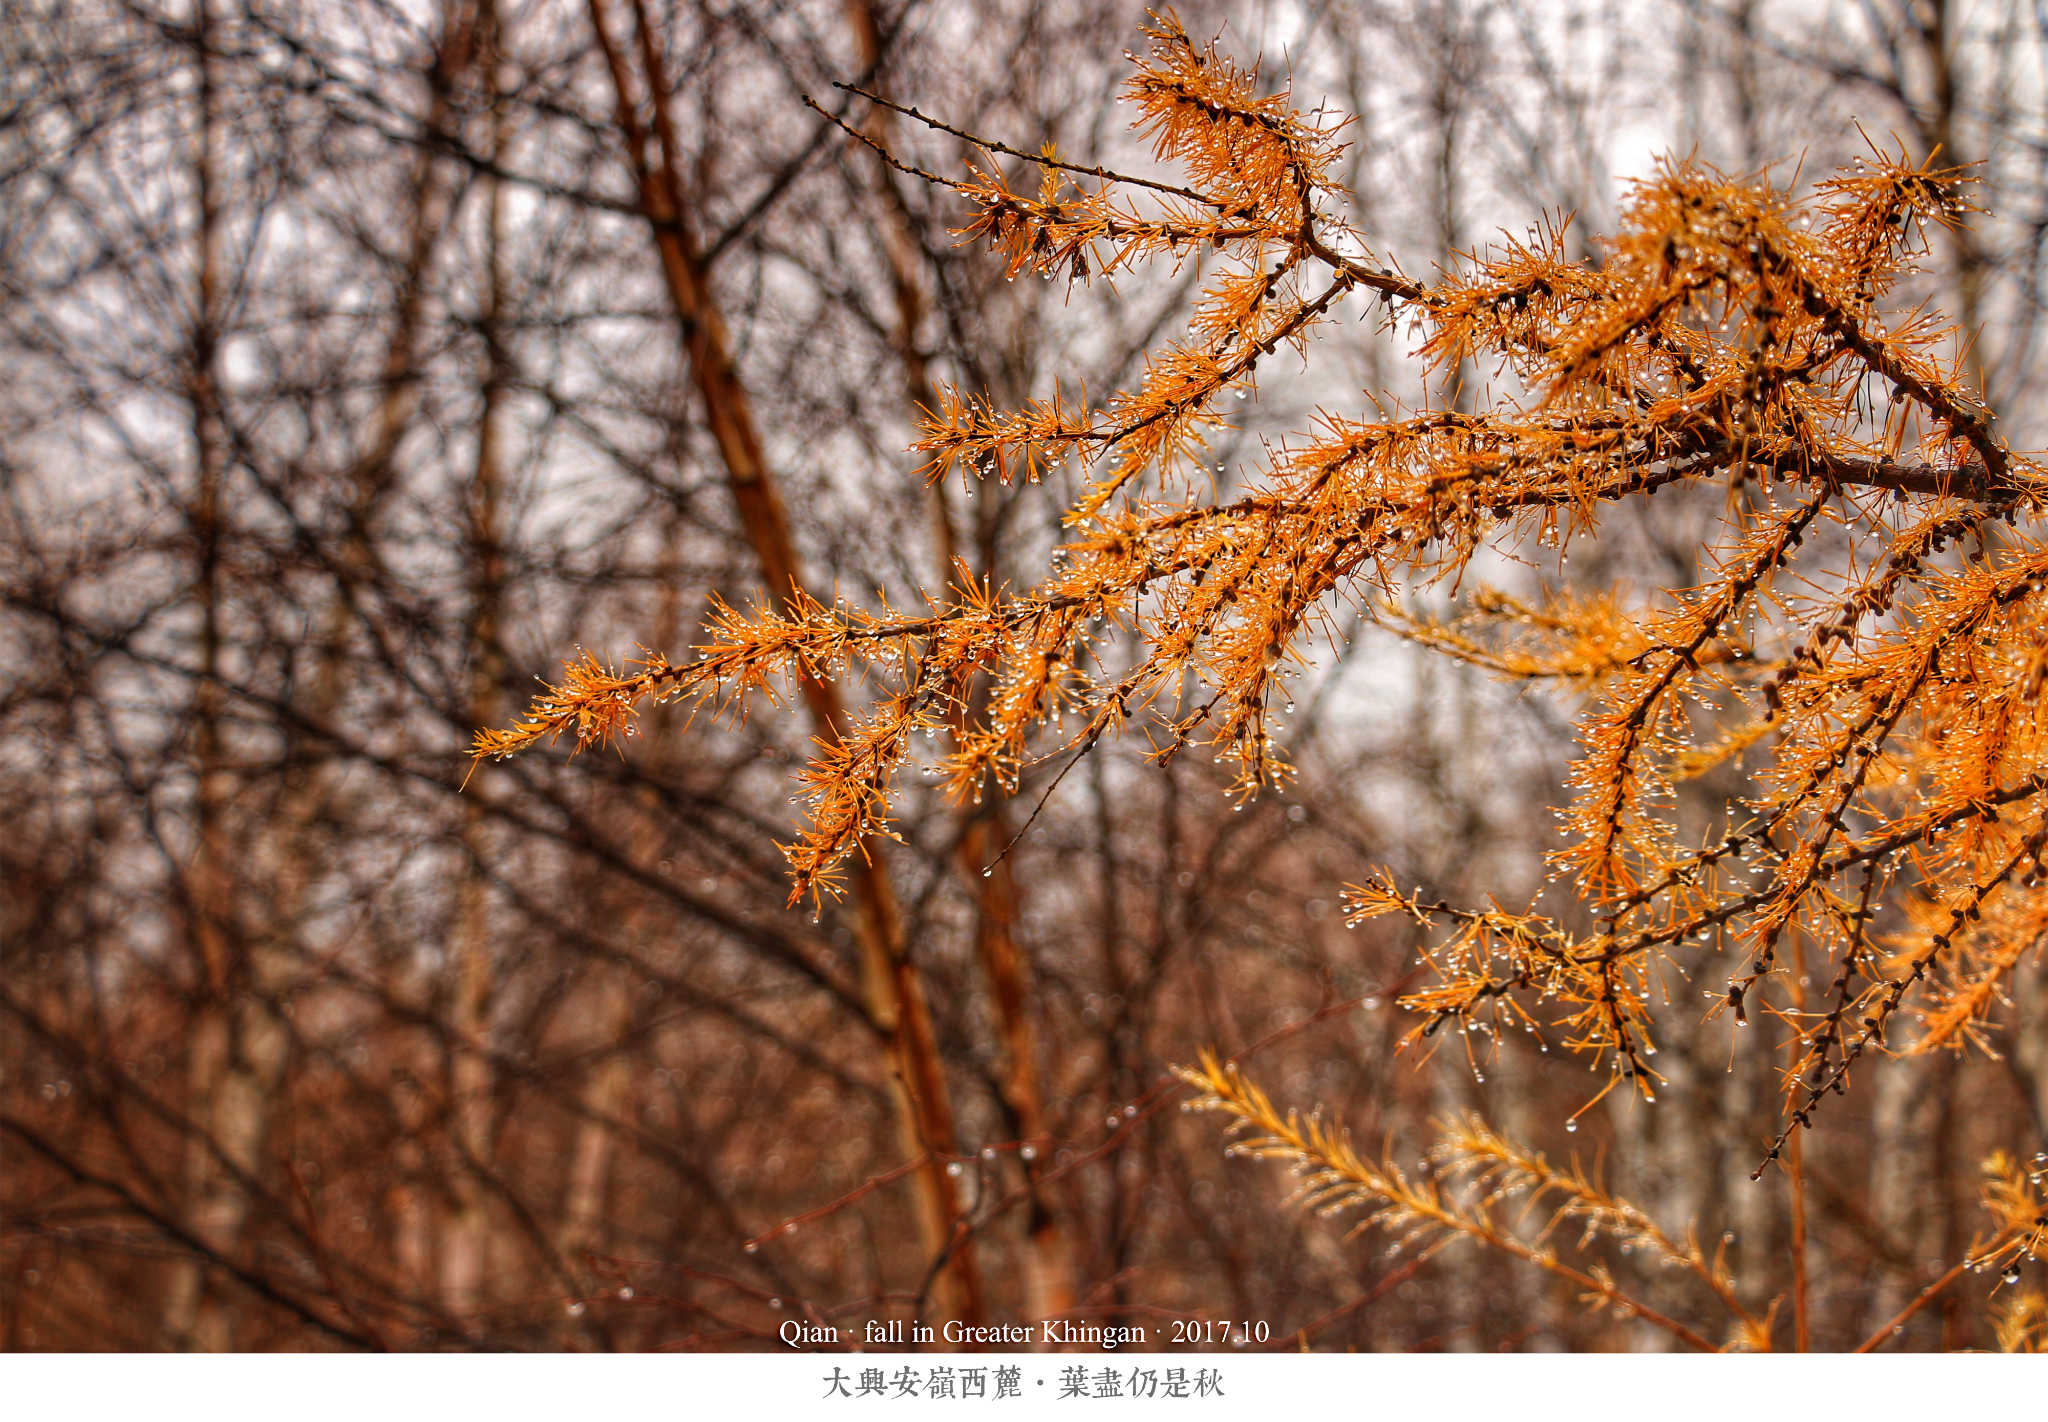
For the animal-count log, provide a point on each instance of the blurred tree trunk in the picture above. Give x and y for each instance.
(983, 857)
(894, 987)
(464, 1229)
(237, 1047)
(609, 1082)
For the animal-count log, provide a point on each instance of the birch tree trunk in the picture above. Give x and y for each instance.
(893, 985)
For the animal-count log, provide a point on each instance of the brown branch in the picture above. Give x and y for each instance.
(1043, 160)
(1920, 1301)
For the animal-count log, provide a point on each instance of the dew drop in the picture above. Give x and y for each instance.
(1572, 1125)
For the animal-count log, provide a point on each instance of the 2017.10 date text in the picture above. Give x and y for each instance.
(1219, 1332)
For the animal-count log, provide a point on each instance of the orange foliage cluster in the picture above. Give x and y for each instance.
(1729, 333)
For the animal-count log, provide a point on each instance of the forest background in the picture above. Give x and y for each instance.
(354, 377)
